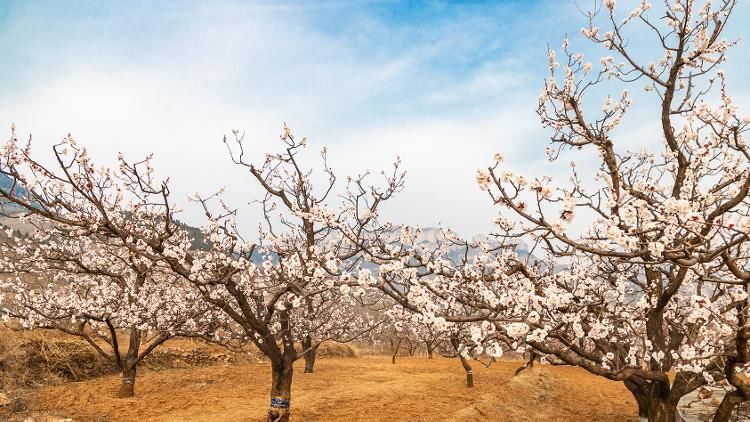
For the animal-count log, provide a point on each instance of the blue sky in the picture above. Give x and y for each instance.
(442, 84)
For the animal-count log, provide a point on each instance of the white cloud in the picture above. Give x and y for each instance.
(444, 95)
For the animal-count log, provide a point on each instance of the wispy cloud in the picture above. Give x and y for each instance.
(443, 85)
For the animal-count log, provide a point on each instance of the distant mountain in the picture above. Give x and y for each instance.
(197, 237)
(429, 237)
(6, 184)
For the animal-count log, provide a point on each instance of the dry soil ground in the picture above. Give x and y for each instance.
(359, 389)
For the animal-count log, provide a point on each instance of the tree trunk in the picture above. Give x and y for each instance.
(127, 387)
(455, 342)
(468, 370)
(430, 349)
(395, 348)
(281, 390)
(411, 348)
(529, 363)
(741, 383)
(654, 402)
(130, 365)
(310, 354)
(730, 401)
(661, 410)
(310, 360)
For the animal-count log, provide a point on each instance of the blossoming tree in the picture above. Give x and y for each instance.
(96, 291)
(435, 286)
(66, 275)
(300, 283)
(312, 275)
(737, 364)
(632, 297)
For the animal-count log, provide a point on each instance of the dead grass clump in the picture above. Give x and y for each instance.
(196, 353)
(526, 399)
(178, 357)
(34, 359)
(534, 383)
(332, 349)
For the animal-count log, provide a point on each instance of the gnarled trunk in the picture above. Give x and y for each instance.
(654, 401)
(129, 365)
(741, 383)
(661, 410)
(730, 401)
(736, 379)
(281, 390)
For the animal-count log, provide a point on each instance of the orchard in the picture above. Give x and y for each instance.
(628, 261)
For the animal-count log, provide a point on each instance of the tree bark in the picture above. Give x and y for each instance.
(654, 401)
(281, 390)
(741, 383)
(533, 356)
(730, 401)
(310, 357)
(129, 366)
(430, 350)
(127, 387)
(468, 370)
(311, 354)
(395, 348)
(411, 347)
(464, 362)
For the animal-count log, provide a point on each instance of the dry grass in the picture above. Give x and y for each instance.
(188, 353)
(332, 349)
(30, 360)
(36, 358)
(364, 389)
(50, 376)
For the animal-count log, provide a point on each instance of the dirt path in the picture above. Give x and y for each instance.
(363, 389)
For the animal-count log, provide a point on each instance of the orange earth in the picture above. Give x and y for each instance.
(348, 389)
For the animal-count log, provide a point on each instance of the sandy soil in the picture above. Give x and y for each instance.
(361, 389)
